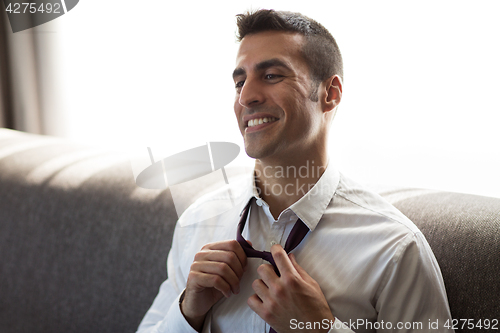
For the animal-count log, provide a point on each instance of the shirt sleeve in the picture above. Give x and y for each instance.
(164, 315)
(414, 297)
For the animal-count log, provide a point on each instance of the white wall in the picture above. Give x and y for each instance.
(421, 81)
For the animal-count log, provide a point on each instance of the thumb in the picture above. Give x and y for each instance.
(299, 269)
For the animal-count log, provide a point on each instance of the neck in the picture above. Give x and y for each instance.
(282, 184)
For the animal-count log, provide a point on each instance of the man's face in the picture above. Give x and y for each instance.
(273, 86)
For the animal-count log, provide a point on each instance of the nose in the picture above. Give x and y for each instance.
(251, 93)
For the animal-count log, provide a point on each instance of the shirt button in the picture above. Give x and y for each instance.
(273, 243)
(259, 202)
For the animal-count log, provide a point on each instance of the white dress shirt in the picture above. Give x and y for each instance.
(374, 266)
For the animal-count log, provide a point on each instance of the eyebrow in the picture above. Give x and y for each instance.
(275, 62)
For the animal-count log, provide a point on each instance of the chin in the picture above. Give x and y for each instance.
(258, 151)
(253, 151)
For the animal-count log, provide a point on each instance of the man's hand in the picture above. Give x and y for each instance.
(216, 272)
(294, 295)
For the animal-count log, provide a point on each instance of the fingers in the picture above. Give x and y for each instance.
(222, 270)
(282, 260)
(230, 259)
(266, 273)
(231, 246)
(219, 265)
(256, 301)
(216, 272)
(229, 252)
(297, 267)
(260, 288)
(295, 294)
(206, 280)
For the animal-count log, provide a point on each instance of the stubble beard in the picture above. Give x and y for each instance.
(264, 148)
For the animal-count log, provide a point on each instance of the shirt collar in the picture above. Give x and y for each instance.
(311, 207)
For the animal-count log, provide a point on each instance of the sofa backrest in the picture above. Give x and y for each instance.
(84, 249)
(463, 231)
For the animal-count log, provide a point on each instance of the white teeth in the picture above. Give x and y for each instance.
(255, 122)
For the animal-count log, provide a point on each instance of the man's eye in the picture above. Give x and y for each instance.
(239, 84)
(271, 76)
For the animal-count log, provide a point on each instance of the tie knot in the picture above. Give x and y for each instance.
(297, 234)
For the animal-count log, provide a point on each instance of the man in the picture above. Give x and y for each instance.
(361, 262)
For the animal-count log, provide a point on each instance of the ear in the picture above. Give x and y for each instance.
(333, 93)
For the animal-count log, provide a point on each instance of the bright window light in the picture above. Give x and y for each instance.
(419, 105)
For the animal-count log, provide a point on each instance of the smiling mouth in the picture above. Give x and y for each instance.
(260, 121)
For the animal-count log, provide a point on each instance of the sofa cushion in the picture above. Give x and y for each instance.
(463, 231)
(84, 249)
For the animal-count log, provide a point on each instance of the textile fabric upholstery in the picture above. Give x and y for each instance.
(83, 249)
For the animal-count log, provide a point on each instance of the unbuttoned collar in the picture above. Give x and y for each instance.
(311, 207)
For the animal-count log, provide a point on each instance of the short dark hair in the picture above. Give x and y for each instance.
(320, 51)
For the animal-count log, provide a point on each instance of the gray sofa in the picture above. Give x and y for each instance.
(83, 249)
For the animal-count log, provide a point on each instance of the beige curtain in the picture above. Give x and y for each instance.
(29, 101)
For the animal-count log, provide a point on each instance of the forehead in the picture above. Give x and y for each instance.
(262, 46)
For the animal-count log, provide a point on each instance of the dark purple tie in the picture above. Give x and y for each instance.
(296, 236)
